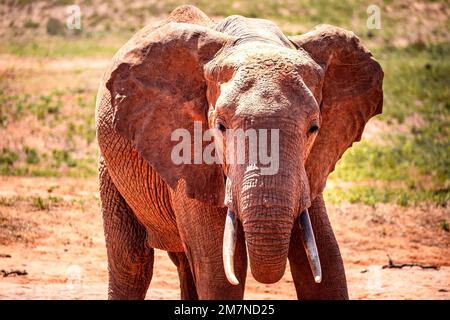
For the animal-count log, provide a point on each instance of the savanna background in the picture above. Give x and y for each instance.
(388, 198)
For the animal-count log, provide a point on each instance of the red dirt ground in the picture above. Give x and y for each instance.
(63, 252)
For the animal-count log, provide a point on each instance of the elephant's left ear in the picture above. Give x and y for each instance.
(351, 94)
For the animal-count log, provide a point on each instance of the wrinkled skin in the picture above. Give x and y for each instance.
(319, 89)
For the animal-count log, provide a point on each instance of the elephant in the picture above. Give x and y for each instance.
(318, 89)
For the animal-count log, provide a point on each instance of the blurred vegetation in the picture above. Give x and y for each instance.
(372, 195)
(15, 107)
(46, 110)
(103, 32)
(61, 47)
(406, 162)
(59, 162)
(445, 225)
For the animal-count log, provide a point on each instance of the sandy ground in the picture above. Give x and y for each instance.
(61, 248)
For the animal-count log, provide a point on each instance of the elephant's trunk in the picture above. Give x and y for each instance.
(267, 211)
(308, 239)
(267, 232)
(267, 222)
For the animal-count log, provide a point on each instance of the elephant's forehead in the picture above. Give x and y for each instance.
(254, 61)
(267, 55)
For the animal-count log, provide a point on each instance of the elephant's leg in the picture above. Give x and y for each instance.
(207, 264)
(187, 284)
(334, 284)
(201, 230)
(130, 260)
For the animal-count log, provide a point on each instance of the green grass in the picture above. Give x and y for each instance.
(11, 107)
(15, 107)
(47, 110)
(45, 203)
(32, 156)
(82, 168)
(417, 79)
(404, 160)
(372, 195)
(8, 157)
(41, 204)
(59, 162)
(30, 24)
(85, 129)
(60, 46)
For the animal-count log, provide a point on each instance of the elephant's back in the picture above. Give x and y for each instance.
(139, 184)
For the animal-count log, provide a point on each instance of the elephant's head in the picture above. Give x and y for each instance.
(318, 89)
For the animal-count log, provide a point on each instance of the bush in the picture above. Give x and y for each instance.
(55, 27)
(32, 156)
(8, 157)
(30, 24)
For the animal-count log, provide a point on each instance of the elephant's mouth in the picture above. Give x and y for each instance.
(230, 236)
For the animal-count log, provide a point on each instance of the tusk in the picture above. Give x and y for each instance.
(229, 245)
(309, 242)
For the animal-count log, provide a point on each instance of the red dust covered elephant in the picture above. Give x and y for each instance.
(187, 72)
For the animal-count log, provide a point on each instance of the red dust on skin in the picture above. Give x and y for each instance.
(162, 68)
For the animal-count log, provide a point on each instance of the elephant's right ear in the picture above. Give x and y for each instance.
(157, 86)
(351, 94)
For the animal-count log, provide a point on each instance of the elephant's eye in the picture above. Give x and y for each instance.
(313, 129)
(220, 126)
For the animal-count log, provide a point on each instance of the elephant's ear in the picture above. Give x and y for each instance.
(157, 86)
(351, 95)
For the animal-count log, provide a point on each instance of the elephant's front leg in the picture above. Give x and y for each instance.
(334, 284)
(187, 284)
(130, 260)
(201, 229)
